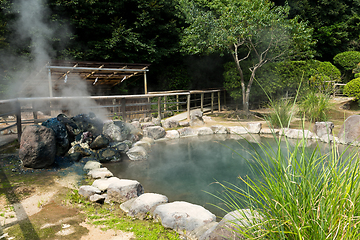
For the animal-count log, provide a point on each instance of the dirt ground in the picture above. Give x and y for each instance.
(33, 199)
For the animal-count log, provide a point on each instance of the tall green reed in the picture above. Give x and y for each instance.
(300, 195)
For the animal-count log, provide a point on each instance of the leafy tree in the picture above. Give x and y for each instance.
(256, 30)
(125, 30)
(335, 23)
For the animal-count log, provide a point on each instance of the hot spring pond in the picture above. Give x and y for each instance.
(185, 169)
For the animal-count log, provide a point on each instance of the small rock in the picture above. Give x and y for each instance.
(100, 173)
(123, 190)
(187, 131)
(108, 155)
(170, 123)
(99, 142)
(172, 134)
(87, 191)
(90, 165)
(254, 128)
(104, 183)
(98, 198)
(205, 131)
(155, 132)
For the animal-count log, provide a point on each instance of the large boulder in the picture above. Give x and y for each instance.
(172, 134)
(219, 129)
(143, 205)
(299, 133)
(226, 229)
(183, 216)
(72, 128)
(137, 153)
(254, 128)
(170, 123)
(123, 190)
(116, 132)
(61, 135)
(238, 130)
(154, 132)
(187, 131)
(350, 130)
(205, 131)
(37, 147)
(196, 118)
(323, 129)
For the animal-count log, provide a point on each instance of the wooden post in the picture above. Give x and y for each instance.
(159, 107)
(188, 107)
(212, 102)
(177, 103)
(219, 107)
(34, 111)
(202, 102)
(165, 103)
(18, 119)
(123, 108)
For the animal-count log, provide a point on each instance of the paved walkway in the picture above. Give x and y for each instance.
(183, 116)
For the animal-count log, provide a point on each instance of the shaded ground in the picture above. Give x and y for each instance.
(34, 203)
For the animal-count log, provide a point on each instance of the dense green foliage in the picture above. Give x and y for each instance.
(257, 31)
(300, 194)
(352, 88)
(335, 23)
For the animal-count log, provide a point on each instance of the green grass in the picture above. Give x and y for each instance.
(111, 217)
(300, 195)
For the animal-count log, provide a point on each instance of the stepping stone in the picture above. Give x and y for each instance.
(183, 216)
(100, 173)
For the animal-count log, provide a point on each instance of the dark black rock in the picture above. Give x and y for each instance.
(99, 142)
(108, 155)
(121, 146)
(61, 135)
(83, 151)
(75, 157)
(88, 123)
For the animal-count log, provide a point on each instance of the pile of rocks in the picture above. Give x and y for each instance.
(192, 220)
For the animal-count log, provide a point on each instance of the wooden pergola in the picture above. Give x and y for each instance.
(96, 74)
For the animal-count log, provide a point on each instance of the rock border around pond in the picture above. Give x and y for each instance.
(193, 220)
(95, 143)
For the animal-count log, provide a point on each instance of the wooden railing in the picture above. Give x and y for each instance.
(118, 106)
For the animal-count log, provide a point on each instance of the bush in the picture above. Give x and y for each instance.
(347, 60)
(352, 88)
(315, 106)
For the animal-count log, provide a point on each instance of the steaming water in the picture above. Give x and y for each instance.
(185, 169)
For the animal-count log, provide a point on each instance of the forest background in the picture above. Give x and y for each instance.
(156, 32)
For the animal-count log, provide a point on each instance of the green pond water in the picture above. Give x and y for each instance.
(186, 169)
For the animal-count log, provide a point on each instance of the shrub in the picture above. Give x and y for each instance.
(352, 88)
(315, 106)
(299, 194)
(347, 60)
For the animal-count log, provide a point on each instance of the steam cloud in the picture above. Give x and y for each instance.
(32, 28)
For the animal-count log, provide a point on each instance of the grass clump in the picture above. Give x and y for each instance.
(315, 106)
(281, 113)
(299, 194)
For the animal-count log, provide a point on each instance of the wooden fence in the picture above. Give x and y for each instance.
(124, 107)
